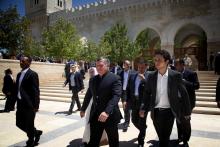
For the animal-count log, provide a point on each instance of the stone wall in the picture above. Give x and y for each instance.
(46, 71)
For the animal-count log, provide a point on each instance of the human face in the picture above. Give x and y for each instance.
(24, 63)
(179, 67)
(73, 68)
(101, 67)
(142, 68)
(160, 62)
(126, 66)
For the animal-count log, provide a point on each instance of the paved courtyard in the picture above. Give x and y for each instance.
(60, 129)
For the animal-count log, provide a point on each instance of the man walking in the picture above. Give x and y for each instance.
(105, 90)
(191, 82)
(27, 84)
(165, 96)
(75, 84)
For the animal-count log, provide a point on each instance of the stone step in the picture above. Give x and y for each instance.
(68, 95)
(205, 98)
(205, 110)
(207, 87)
(206, 104)
(207, 94)
(211, 90)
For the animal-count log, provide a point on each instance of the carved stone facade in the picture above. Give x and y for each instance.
(171, 19)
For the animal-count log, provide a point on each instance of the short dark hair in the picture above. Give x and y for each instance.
(180, 61)
(142, 61)
(164, 53)
(28, 58)
(8, 71)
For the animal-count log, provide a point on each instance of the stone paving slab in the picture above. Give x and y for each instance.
(62, 130)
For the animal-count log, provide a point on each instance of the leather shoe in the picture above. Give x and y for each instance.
(140, 145)
(37, 136)
(30, 143)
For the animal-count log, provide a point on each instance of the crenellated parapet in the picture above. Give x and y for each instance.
(109, 7)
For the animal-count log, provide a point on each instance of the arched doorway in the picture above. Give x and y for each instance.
(149, 40)
(191, 39)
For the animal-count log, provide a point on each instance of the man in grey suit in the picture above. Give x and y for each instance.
(165, 96)
(28, 100)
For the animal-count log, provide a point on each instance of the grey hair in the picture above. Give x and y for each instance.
(105, 60)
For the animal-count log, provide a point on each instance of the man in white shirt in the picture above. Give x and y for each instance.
(165, 96)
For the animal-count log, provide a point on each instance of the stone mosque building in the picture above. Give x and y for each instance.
(180, 26)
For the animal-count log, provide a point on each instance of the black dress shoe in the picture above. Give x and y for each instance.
(140, 145)
(29, 143)
(37, 136)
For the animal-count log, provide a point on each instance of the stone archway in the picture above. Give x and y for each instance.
(191, 39)
(149, 40)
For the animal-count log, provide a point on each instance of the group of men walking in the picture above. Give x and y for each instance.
(166, 93)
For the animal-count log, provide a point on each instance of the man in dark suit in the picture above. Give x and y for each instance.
(27, 84)
(134, 98)
(191, 82)
(116, 69)
(218, 93)
(75, 84)
(165, 96)
(105, 89)
(124, 75)
(9, 91)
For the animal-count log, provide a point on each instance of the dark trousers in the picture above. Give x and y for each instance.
(184, 129)
(140, 124)
(127, 109)
(25, 121)
(96, 130)
(163, 120)
(75, 98)
(10, 103)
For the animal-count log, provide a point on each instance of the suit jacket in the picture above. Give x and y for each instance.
(9, 85)
(177, 94)
(218, 90)
(121, 75)
(29, 90)
(105, 96)
(191, 83)
(78, 81)
(119, 69)
(130, 91)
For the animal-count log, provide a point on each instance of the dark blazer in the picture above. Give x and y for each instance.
(29, 90)
(9, 85)
(78, 81)
(191, 83)
(119, 69)
(177, 94)
(105, 97)
(218, 90)
(130, 91)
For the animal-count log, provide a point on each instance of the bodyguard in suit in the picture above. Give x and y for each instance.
(135, 89)
(165, 96)
(75, 84)
(9, 91)
(116, 69)
(105, 90)
(191, 82)
(28, 100)
(124, 75)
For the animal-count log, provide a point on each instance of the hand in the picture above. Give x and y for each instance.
(142, 113)
(103, 117)
(124, 104)
(82, 114)
(142, 76)
(9, 93)
(188, 117)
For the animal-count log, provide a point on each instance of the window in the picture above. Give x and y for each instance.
(36, 2)
(60, 3)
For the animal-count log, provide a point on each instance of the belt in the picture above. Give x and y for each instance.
(161, 109)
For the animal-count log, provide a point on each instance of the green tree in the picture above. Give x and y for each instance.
(116, 39)
(14, 31)
(61, 40)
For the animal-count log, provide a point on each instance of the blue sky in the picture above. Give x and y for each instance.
(4, 4)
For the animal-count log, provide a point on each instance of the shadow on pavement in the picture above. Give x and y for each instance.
(155, 143)
(75, 143)
(65, 112)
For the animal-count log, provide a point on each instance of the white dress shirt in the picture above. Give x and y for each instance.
(20, 80)
(125, 79)
(137, 83)
(162, 100)
(72, 80)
